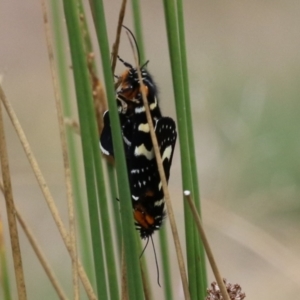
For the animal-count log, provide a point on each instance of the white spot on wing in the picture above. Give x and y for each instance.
(144, 127)
(153, 105)
(141, 150)
(167, 153)
(159, 202)
(127, 142)
(103, 150)
(139, 110)
(159, 186)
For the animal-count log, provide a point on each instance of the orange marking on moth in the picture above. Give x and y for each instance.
(149, 193)
(140, 215)
(130, 93)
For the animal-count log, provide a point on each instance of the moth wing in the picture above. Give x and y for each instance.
(142, 166)
(165, 130)
(106, 144)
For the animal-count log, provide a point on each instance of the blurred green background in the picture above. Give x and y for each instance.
(244, 68)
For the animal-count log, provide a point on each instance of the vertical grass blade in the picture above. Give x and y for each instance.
(138, 28)
(199, 250)
(62, 68)
(105, 222)
(65, 154)
(131, 255)
(116, 207)
(209, 253)
(178, 86)
(86, 116)
(100, 183)
(164, 249)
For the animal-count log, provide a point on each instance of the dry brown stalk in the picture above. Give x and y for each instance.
(13, 230)
(206, 245)
(116, 44)
(100, 103)
(46, 192)
(39, 253)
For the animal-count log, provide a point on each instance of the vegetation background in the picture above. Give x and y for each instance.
(244, 69)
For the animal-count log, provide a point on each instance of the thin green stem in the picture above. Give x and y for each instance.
(116, 207)
(131, 254)
(199, 250)
(86, 114)
(138, 28)
(209, 253)
(63, 76)
(165, 258)
(179, 92)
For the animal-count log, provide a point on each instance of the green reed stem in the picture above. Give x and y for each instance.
(199, 249)
(180, 88)
(116, 207)
(87, 120)
(138, 28)
(62, 66)
(165, 258)
(131, 254)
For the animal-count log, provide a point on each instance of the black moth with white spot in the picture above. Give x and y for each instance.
(145, 184)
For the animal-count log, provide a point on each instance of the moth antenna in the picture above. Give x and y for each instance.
(125, 63)
(145, 247)
(145, 64)
(136, 44)
(157, 268)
